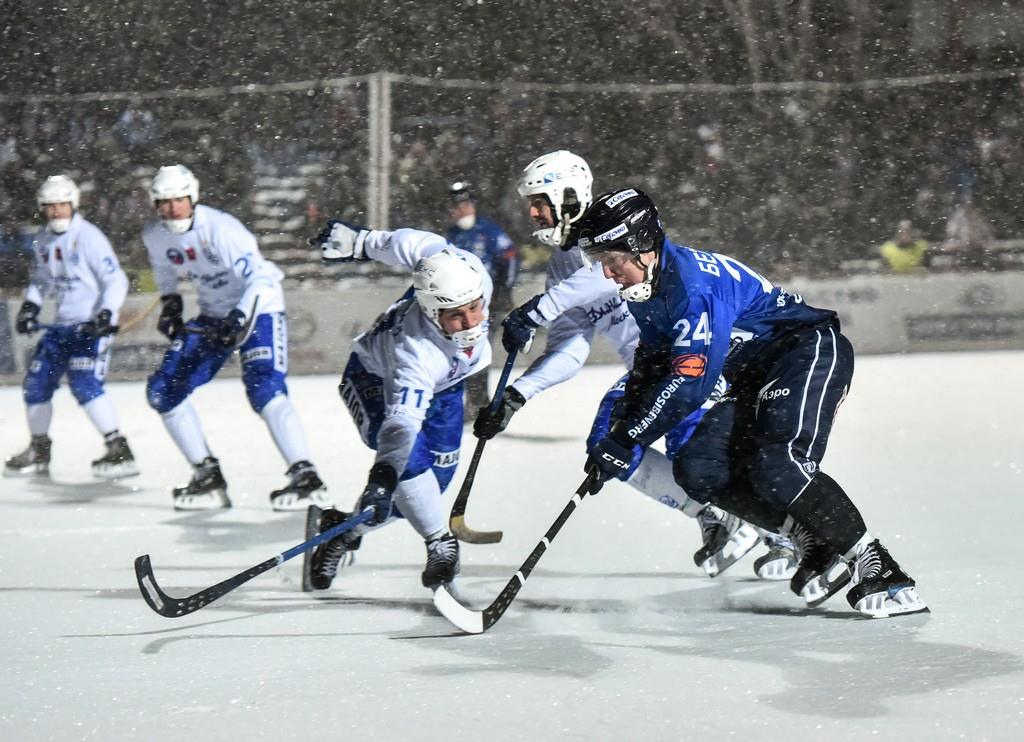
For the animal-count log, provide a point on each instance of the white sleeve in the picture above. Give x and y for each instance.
(582, 287)
(165, 275)
(566, 350)
(112, 281)
(40, 283)
(403, 247)
(407, 396)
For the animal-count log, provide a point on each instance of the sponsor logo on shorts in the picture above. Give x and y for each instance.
(446, 459)
(81, 363)
(690, 365)
(257, 354)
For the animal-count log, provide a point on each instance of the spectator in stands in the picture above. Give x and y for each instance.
(905, 252)
(968, 234)
(136, 128)
(474, 232)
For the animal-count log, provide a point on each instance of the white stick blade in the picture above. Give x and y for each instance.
(463, 618)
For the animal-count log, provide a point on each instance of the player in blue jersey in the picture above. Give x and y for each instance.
(473, 232)
(756, 453)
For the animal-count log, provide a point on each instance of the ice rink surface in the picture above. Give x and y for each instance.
(616, 636)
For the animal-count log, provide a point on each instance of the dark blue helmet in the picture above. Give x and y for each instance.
(624, 220)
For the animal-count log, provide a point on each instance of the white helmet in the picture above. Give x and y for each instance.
(58, 189)
(566, 180)
(445, 280)
(175, 181)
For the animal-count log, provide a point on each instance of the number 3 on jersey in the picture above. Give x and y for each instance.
(701, 331)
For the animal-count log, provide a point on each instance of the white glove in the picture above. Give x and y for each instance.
(341, 242)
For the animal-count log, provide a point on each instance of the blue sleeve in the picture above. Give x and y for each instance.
(697, 355)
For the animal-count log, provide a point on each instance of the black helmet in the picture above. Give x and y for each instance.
(625, 219)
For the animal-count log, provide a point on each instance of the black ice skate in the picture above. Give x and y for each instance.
(780, 561)
(33, 460)
(303, 489)
(117, 463)
(320, 565)
(727, 539)
(442, 561)
(821, 572)
(880, 588)
(207, 489)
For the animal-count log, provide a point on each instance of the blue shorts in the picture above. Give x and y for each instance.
(192, 360)
(440, 437)
(66, 350)
(674, 439)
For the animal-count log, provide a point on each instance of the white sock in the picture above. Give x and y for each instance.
(653, 477)
(285, 428)
(101, 411)
(419, 499)
(39, 416)
(183, 424)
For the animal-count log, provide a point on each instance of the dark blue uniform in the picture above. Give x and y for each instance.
(786, 362)
(488, 241)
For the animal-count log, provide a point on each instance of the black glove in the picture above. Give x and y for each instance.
(488, 424)
(170, 323)
(100, 326)
(228, 331)
(612, 457)
(518, 327)
(25, 323)
(380, 485)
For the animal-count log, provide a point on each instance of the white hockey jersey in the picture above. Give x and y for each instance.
(223, 260)
(408, 350)
(578, 302)
(81, 267)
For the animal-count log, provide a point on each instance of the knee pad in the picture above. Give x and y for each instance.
(39, 385)
(162, 394)
(84, 385)
(777, 474)
(262, 386)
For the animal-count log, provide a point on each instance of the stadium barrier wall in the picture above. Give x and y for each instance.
(880, 314)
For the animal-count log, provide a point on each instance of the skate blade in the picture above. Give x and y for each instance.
(824, 586)
(740, 543)
(293, 501)
(312, 529)
(883, 605)
(116, 471)
(216, 500)
(33, 470)
(777, 569)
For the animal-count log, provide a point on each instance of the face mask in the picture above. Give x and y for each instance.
(466, 222)
(466, 339)
(178, 226)
(59, 226)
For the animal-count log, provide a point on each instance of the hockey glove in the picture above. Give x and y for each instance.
(488, 424)
(519, 326)
(341, 242)
(26, 323)
(170, 323)
(612, 457)
(380, 486)
(228, 331)
(100, 326)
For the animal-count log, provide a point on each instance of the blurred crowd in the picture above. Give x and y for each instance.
(812, 182)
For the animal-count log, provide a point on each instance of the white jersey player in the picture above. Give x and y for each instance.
(577, 304)
(241, 306)
(73, 259)
(403, 386)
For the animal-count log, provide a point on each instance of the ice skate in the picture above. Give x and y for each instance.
(880, 588)
(442, 561)
(821, 572)
(727, 539)
(117, 463)
(207, 489)
(304, 488)
(780, 561)
(34, 460)
(322, 563)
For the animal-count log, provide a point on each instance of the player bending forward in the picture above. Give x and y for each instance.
(577, 304)
(240, 306)
(403, 386)
(73, 258)
(757, 452)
